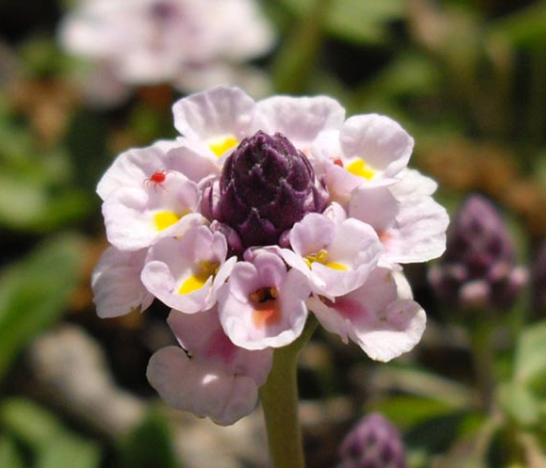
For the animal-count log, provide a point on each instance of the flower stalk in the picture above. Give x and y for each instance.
(279, 398)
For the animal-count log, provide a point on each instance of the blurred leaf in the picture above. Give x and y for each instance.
(50, 442)
(29, 422)
(526, 28)
(519, 403)
(150, 444)
(408, 410)
(34, 293)
(424, 384)
(359, 21)
(86, 143)
(530, 358)
(9, 454)
(70, 452)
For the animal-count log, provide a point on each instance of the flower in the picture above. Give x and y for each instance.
(479, 268)
(243, 225)
(373, 442)
(190, 44)
(208, 375)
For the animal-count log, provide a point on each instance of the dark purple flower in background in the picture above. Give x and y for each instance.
(478, 268)
(538, 280)
(267, 186)
(373, 442)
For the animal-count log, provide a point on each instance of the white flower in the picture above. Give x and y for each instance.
(257, 215)
(209, 375)
(158, 41)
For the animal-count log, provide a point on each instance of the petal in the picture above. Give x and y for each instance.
(116, 283)
(274, 323)
(379, 141)
(375, 206)
(202, 336)
(133, 167)
(220, 111)
(203, 388)
(299, 119)
(419, 234)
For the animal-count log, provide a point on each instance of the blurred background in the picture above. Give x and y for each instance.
(467, 78)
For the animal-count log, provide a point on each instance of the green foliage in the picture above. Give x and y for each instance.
(149, 445)
(50, 443)
(34, 293)
(361, 22)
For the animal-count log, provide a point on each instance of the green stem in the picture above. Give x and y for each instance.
(279, 398)
(483, 356)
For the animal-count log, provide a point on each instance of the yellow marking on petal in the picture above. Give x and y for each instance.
(361, 169)
(193, 283)
(321, 257)
(336, 266)
(165, 219)
(221, 145)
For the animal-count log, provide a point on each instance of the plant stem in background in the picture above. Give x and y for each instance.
(296, 59)
(483, 357)
(279, 398)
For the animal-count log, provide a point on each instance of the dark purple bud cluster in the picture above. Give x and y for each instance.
(478, 269)
(266, 186)
(373, 443)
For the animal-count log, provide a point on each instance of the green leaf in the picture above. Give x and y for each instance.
(530, 358)
(50, 442)
(525, 29)
(29, 422)
(150, 444)
(70, 452)
(408, 410)
(519, 403)
(35, 292)
(9, 454)
(359, 21)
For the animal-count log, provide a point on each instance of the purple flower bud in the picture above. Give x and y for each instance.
(538, 279)
(373, 443)
(478, 268)
(266, 186)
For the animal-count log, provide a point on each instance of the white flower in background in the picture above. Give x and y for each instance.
(269, 211)
(191, 44)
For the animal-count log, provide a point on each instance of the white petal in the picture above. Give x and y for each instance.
(116, 283)
(379, 140)
(299, 119)
(203, 388)
(220, 111)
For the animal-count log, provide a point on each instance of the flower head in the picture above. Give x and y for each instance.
(374, 442)
(253, 219)
(189, 44)
(479, 266)
(538, 280)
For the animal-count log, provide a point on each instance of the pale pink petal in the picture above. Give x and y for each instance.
(116, 283)
(277, 321)
(383, 144)
(220, 111)
(134, 167)
(203, 337)
(204, 388)
(419, 233)
(300, 119)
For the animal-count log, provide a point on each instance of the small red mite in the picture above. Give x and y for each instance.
(338, 162)
(157, 178)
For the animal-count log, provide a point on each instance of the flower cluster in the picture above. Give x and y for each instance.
(258, 215)
(190, 44)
